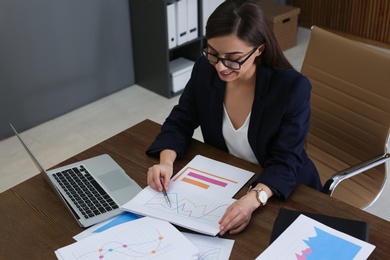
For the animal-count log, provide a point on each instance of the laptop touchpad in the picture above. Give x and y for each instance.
(115, 180)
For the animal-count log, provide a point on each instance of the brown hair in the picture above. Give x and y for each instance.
(248, 22)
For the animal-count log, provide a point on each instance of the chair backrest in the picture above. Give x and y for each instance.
(350, 106)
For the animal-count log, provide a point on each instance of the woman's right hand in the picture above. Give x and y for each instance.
(163, 171)
(160, 172)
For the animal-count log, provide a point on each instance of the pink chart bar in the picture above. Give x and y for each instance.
(204, 178)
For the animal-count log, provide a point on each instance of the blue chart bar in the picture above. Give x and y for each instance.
(126, 217)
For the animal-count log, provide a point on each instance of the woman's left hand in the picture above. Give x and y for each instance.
(238, 215)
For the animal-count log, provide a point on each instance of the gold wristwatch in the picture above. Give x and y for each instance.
(261, 195)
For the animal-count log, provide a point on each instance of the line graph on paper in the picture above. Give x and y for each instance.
(148, 244)
(189, 206)
(208, 252)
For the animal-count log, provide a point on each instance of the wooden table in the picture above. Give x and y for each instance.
(34, 223)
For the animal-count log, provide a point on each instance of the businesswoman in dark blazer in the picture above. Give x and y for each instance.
(249, 101)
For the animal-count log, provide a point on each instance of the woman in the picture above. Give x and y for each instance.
(249, 101)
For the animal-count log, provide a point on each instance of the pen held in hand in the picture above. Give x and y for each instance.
(165, 194)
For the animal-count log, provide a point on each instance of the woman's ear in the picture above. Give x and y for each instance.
(261, 48)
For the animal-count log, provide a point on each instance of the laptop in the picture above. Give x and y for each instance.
(93, 190)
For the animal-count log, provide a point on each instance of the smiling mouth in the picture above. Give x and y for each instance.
(226, 73)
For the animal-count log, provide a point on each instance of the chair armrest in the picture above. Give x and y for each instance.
(336, 178)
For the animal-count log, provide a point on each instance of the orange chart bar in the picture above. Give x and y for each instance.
(203, 172)
(196, 183)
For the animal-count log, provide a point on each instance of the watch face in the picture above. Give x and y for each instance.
(263, 196)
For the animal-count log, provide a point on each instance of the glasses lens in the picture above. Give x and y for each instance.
(213, 59)
(210, 57)
(231, 64)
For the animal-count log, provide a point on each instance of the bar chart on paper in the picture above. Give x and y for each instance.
(203, 179)
(211, 177)
(200, 194)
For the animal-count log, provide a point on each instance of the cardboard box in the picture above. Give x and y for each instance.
(180, 72)
(284, 21)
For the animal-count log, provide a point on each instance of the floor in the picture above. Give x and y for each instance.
(58, 139)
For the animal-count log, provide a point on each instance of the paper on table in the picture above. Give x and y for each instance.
(200, 194)
(145, 238)
(100, 227)
(188, 209)
(306, 237)
(211, 178)
(211, 247)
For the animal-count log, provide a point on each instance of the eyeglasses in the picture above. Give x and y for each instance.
(231, 64)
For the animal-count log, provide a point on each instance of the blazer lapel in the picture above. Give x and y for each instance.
(262, 80)
(216, 104)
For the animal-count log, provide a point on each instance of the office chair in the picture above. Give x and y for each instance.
(349, 137)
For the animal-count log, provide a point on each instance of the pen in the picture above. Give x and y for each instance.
(165, 194)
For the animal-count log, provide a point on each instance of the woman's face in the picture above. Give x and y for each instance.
(232, 48)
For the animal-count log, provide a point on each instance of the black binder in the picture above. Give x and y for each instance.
(355, 228)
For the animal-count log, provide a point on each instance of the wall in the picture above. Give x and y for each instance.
(362, 18)
(56, 56)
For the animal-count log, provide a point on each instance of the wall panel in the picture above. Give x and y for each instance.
(369, 19)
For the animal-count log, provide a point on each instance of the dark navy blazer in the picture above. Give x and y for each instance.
(279, 123)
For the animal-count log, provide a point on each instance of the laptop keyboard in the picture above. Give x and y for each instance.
(85, 191)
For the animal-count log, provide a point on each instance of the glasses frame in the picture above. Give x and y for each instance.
(205, 53)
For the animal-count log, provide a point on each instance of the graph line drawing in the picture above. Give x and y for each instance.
(209, 253)
(133, 248)
(188, 206)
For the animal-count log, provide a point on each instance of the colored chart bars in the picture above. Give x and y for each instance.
(202, 179)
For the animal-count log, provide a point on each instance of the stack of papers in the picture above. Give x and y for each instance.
(199, 194)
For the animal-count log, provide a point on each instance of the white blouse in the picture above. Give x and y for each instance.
(237, 139)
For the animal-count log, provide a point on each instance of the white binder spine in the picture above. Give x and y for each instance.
(171, 24)
(192, 15)
(181, 21)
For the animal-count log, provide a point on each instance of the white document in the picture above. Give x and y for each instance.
(307, 238)
(211, 178)
(171, 24)
(144, 238)
(181, 21)
(211, 248)
(199, 193)
(192, 19)
(188, 209)
(103, 226)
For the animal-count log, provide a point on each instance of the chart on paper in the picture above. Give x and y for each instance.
(307, 239)
(211, 248)
(188, 209)
(203, 179)
(199, 194)
(148, 244)
(211, 177)
(188, 205)
(143, 238)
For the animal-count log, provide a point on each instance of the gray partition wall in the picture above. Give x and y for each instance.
(58, 55)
